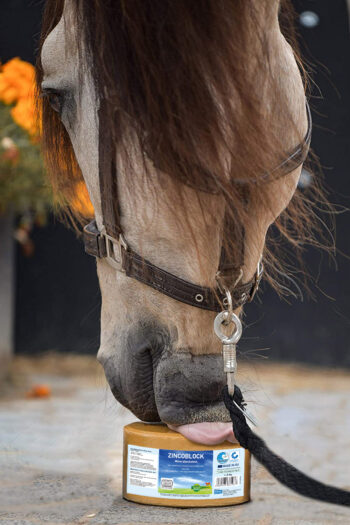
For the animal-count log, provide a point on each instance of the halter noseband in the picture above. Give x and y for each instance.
(109, 243)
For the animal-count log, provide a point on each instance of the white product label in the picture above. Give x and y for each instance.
(190, 474)
(142, 470)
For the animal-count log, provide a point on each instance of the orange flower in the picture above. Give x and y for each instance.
(17, 80)
(23, 113)
(81, 202)
(17, 85)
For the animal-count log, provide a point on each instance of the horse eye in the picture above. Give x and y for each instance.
(55, 100)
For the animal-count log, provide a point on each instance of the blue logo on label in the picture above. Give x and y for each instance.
(234, 455)
(217, 491)
(222, 457)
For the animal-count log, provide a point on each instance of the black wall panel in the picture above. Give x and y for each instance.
(58, 298)
(20, 22)
(318, 331)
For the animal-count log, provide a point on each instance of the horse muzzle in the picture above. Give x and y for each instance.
(158, 383)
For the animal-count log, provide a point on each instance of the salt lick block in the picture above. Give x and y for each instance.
(162, 467)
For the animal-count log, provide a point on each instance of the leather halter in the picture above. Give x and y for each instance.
(110, 244)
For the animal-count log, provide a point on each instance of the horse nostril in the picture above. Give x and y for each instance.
(188, 388)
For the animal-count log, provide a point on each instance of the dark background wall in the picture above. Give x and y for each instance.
(57, 297)
(319, 331)
(19, 28)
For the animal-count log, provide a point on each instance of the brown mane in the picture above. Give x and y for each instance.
(181, 72)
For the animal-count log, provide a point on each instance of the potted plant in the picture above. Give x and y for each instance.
(25, 194)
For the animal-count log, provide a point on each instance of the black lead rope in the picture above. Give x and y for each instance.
(283, 471)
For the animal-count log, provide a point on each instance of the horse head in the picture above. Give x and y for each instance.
(203, 97)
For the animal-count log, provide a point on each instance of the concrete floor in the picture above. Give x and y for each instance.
(61, 458)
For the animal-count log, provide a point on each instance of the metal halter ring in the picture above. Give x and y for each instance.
(223, 318)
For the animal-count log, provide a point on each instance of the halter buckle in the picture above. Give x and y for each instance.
(114, 250)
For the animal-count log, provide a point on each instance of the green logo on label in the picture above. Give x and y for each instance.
(196, 487)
